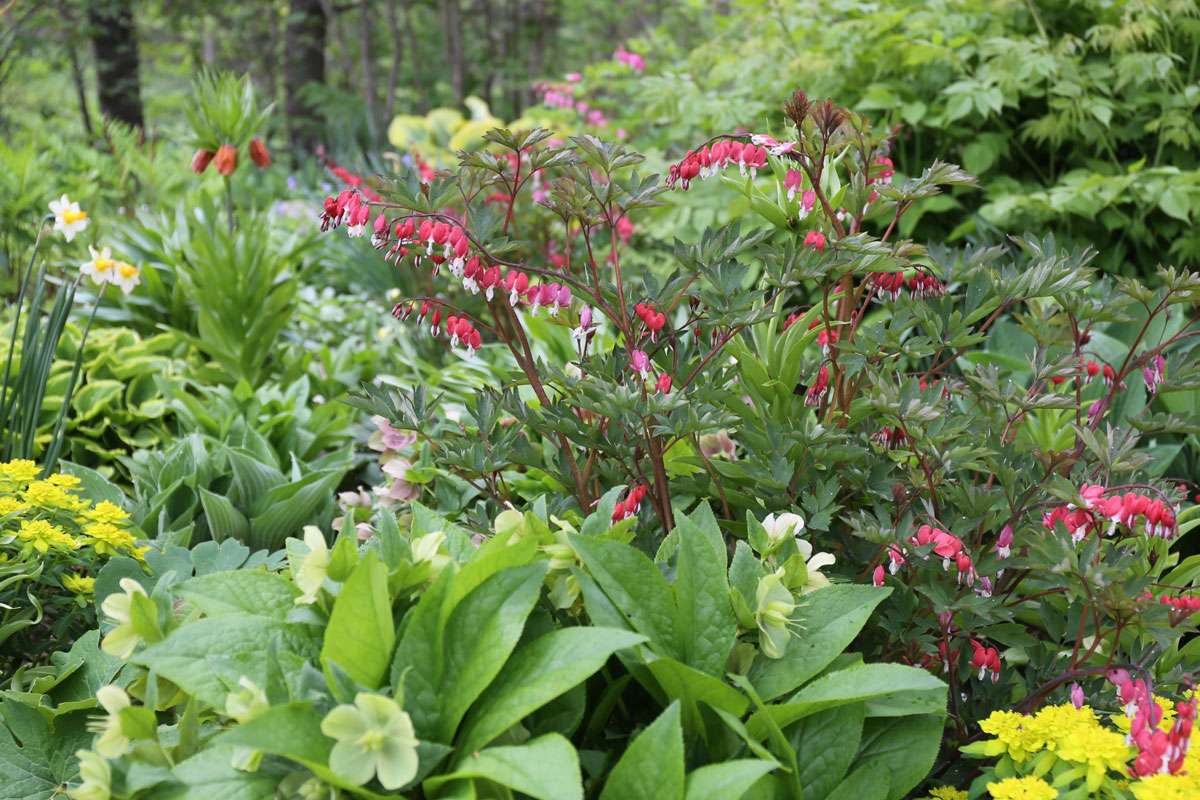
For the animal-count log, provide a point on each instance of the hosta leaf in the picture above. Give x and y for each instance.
(224, 521)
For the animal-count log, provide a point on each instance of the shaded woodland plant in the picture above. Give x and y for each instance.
(988, 429)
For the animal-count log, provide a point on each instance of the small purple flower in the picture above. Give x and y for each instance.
(1078, 698)
(388, 438)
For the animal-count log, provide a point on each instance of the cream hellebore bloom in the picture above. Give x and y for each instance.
(310, 575)
(374, 737)
(814, 563)
(96, 775)
(112, 741)
(773, 615)
(244, 705)
(427, 547)
(67, 217)
(123, 639)
(779, 528)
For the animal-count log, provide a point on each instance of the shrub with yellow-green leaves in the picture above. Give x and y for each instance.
(52, 540)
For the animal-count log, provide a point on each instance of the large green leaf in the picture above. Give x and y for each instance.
(417, 665)
(867, 782)
(546, 768)
(706, 623)
(726, 781)
(36, 758)
(852, 685)
(691, 687)
(652, 766)
(636, 588)
(240, 592)
(224, 520)
(360, 634)
(210, 774)
(825, 745)
(829, 619)
(536, 674)
(208, 656)
(480, 634)
(905, 747)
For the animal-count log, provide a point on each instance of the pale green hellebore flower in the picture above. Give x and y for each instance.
(122, 640)
(96, 775)
(244, 705)
(775, 607)
(374, 737)
(310, 575)
(427, 547)
(112, 742)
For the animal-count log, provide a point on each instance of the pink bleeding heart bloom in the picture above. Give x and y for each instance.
(815, 240)
(878, 576)
(663, 384)
(1078, 698)
(820, 387)
(1154, 373)
(1004, 542)
(640, 363)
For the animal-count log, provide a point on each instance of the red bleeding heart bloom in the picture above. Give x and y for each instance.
(986, 660)
(663, 384)
(815, 240)
(631, 504)
(820, 388)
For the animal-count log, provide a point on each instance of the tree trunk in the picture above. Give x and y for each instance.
(452, 27)
(114, 39)
(419, 91)
(305, 46)
(80, 91)
(368, 71)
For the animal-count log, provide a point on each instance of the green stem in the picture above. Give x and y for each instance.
(229, 201)
(56, 440)
(12, 340)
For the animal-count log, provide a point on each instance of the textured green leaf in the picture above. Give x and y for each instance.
(726, 781)
(546, 768)
(209, 774)
(636, 587)
(867, 782)
(830, 618)
(651, 768)
(36, 758)
(825, 744)
(206, 657)
(480, 634)
(707, 626)
(904, 747)
(852, 685)
(224, 521)
(253, 592)
(536, 674)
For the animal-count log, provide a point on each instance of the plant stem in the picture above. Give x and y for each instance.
(229, 201)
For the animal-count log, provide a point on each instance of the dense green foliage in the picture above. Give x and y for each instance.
(657, 431)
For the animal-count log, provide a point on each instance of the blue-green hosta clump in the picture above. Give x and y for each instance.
(549, 659)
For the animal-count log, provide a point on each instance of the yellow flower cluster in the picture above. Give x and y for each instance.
(1027, 788)
(946, 793)
(1064, 733)
(41, 516)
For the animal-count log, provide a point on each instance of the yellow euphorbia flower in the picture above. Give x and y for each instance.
(45, 494)
(109, 540)
(79, 584)
(19, 470)
(104, 511)
(43, 536)
(1027, 788)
